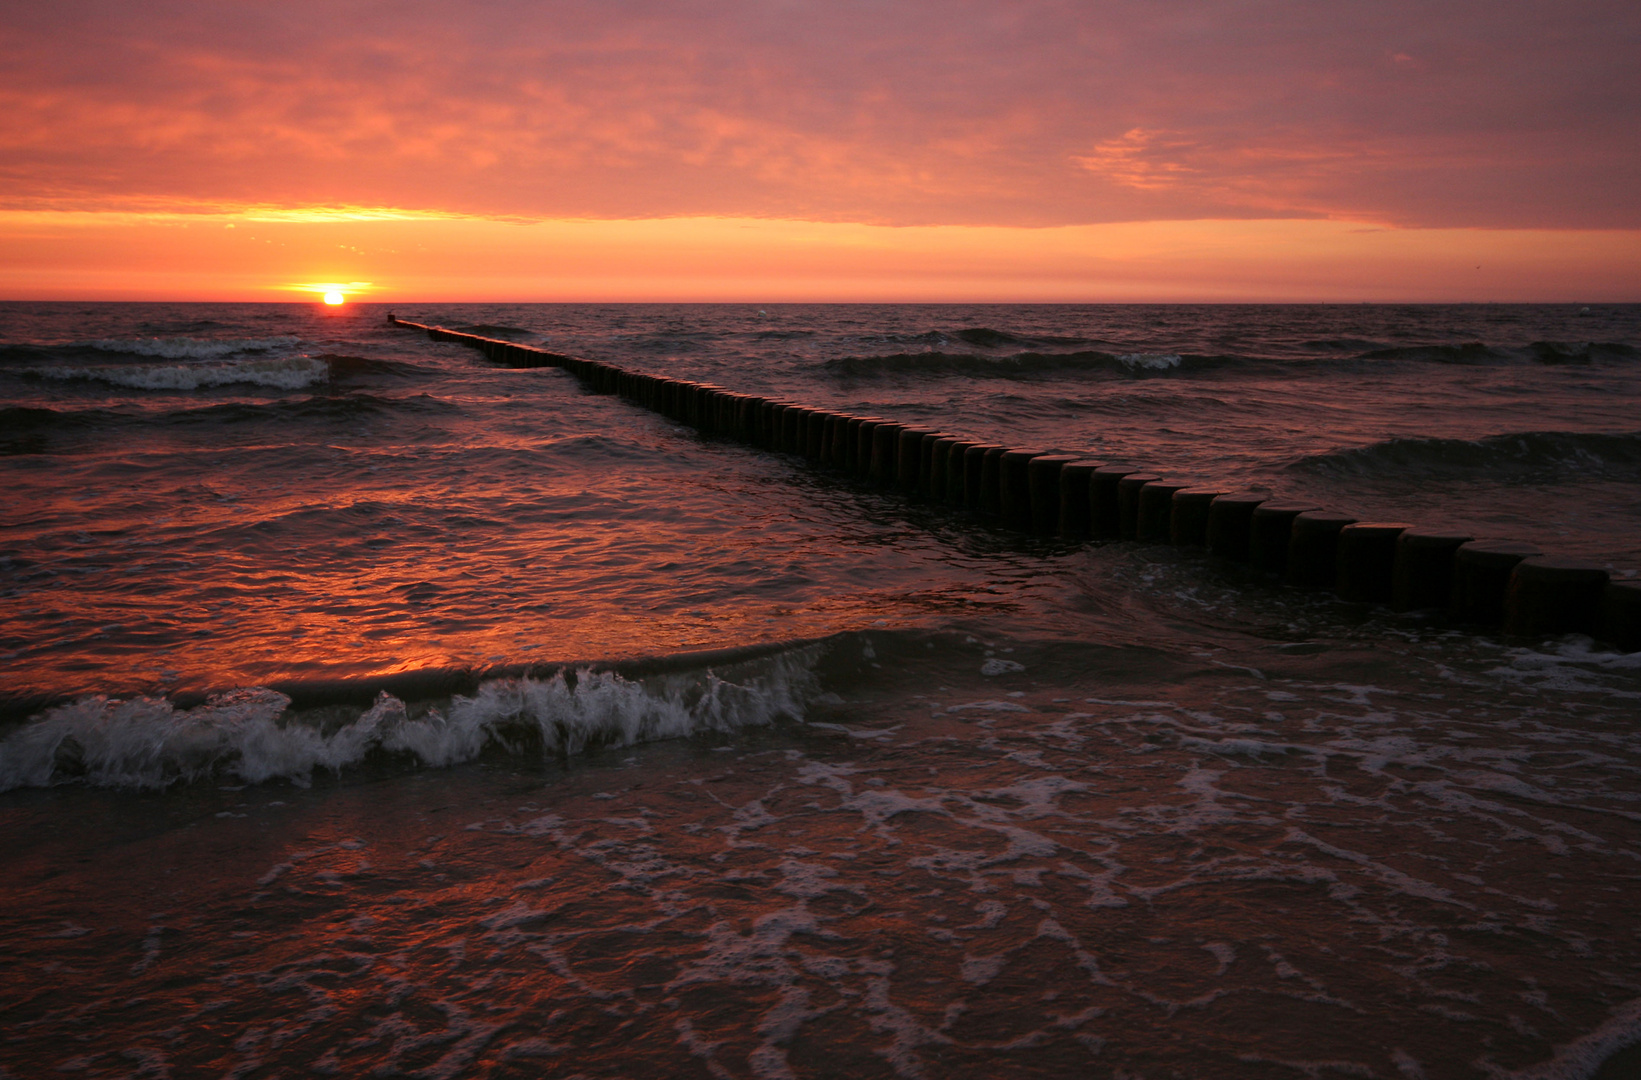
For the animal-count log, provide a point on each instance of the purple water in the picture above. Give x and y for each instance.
(985, 805)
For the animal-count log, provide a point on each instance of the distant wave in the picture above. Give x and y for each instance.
(1015, 365)
(1354, 346)
(276, 373)
(26, 430)
(1475, 352)
(112, 351)
(347, 367)
(33, 430)
(1557, 352)
(261, 733)
(1520, 456)
(488, 330)
(319, 407)
(1471, 352)
(986, 337)
(13, 355)
(1150, 361)
(189, 348)
(982, 337)
(26, 418)
(1041, 358)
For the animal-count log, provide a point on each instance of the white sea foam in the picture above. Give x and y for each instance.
(1151, 361)
(141, 743)
(278, 373)
(1584, 1056)
(147, 743)
(1572, 665)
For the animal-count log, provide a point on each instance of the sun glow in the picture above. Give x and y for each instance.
(332, 293)
(122, 256)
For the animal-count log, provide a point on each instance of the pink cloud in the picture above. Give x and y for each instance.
(1505, 114)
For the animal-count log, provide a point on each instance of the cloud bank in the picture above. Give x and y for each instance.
(1500, 115)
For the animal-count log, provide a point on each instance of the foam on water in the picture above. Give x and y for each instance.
(148, 743)
(1584, 1056)
(1573, 665)
(1003, 888)
(1275, 837)
(1151, 361)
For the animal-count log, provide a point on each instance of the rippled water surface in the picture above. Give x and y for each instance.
(954, 802)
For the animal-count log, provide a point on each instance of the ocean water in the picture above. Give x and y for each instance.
(699, 760)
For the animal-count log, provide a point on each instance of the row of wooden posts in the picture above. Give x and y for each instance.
(1498, 583)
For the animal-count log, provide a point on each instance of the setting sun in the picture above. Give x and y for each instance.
(714, 511)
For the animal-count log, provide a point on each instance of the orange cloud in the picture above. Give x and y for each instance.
(1067, 150)
(1040, 112)
(1139, 159)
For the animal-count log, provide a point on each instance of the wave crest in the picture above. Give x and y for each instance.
(188, 348)
(282, 373)
(254, 735)
(1475, 352)
(1011, 366)
(1515, 457)
(493, 331)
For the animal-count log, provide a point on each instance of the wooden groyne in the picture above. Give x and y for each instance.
(1499, 584)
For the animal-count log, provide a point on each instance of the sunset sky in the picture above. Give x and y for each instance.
(786, 150)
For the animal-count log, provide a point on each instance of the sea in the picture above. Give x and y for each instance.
(368, 709)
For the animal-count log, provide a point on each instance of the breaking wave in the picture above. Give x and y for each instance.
(256, 735)
(195, 364)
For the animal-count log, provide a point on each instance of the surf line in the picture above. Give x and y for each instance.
(1504, 584)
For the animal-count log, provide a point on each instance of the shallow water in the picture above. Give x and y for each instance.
(1392, 857)
(1000, 806)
